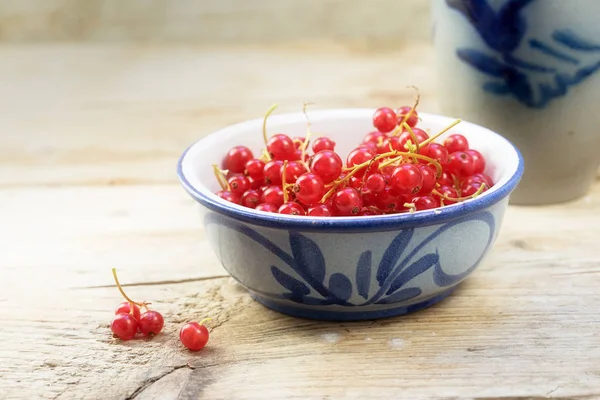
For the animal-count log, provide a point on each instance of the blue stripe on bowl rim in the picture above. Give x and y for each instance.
(355, 224)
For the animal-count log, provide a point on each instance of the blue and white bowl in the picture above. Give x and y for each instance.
(349, 268)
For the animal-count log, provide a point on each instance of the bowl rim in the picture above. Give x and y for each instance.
(376, 222)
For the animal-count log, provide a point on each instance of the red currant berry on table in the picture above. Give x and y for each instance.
(273, 195)
(411, 120)
(478, 161)
(385, 119)
(309, 188)
(228, 196)
(194, 336)
(236, 159)
(125, 308)
(151, 323)
(327, 164)
(461, 164)
(239, 184)
(323, 143)
(272, 172)
(254, 169)
(251, 198)
(320, 210)
(266, 207)
(124, 326)
(291, 208)
(406, 179)
(347, 202)
(281, 147)
(456, 143)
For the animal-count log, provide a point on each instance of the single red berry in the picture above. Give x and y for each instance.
(426, 203)
(480, 177)
(406, 179)
(320, 210)
(478, 161)
(281, 147)
(365, 212)
(124, 326)
(297, 156)
(469, 189)
(445, 179)
(346, 202)
(359, 156)
(125, 308)
(405, 136)
(429, 179)
(412, 120)
(228, 196)
(254, 169)
(151, 323)
(272, 172)
(251, 198)
(375, 183)
(309, 188)
(435, 151)
(323, 143)
(356, 183)
(236, 159)
(450, 193)
(374, 137)
(460, 164)
(239, 184)
(293, 170)
(391, 144)
(273, 195)
(291, 208)
(266, 207)
(456, 142)
(255, 184)
(389, 202)
(194, 336)
(385, 119)
(327, 164)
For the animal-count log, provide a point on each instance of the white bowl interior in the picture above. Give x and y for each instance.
(346, 127)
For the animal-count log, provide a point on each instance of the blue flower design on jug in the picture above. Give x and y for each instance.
(570, 58)
(403, 259)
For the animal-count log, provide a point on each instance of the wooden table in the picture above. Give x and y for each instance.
(89, 138)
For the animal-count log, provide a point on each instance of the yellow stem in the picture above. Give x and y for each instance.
(412, 110)
(306, 138)
(457, 199)
(437, 135)
(412, 135)
(411, 207)
(114, 272)
(283, 182)
(221, 178)
(264, 127)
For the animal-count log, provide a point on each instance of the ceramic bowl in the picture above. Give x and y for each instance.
(349, 268)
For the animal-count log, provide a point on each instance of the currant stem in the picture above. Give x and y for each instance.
(204, 321)
(264, 127)
(440, 133)
(284, 183)
(411, 207)
(221, 178)
(307, 138)
(474, 195)
(114, 272)
(412, 135)
(412, 110)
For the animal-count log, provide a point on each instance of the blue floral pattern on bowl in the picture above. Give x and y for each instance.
(533, 70)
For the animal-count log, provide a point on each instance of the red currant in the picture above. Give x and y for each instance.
(323, 143)
(151, 323)
(478, 161)
(251, 198)
(405, 136)
(406, 179)
(273, 195)
(389, 201)
(267, 207)
(456, 143)
(281, 147)
(327, 164)
(346, 202)
(254, 169)
(293, 170)
(376, 183)
(228, 196)
(385, 119)
(255, 184)
(320, 210)
(450, 193)
(445, 179)
(480, 177)
(309, 188)
(425, 203)
(435, 151)
(469, 189)
(298, 142)
(125, 308)
(428, 179)
(239, 184)
(194, 336)
(272, 172)
(461, 164)
(412, 120)
(359, 156)
(236, 159)
(124, 326)
(291, 208)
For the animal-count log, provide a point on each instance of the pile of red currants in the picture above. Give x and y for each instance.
(397, 168)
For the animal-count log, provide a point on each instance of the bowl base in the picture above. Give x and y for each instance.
(341, 316)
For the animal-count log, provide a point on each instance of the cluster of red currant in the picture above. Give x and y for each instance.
(129, 321)
(397, 168)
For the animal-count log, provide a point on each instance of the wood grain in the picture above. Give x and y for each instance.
(88, 143)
